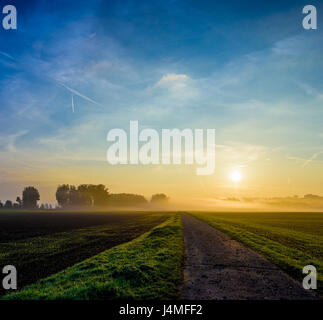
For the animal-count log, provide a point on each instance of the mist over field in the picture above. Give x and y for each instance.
(306, 203)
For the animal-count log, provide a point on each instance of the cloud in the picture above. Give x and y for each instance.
(10, 140)
(310, 90)
(313, 157)
(171, 91)
(7, 60)
(171, 78)
(240, 154)
(7, 55)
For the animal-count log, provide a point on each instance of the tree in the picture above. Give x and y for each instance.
(126, 199)
(99, 193)
(159, 198)
(1, 204)
(85, 196)
(74, 197)
(63, 195)
(8, 204)
(19, 201)
(312, 197)
(30, 196)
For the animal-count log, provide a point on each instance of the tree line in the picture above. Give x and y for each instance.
(30, 196)
(82, 196)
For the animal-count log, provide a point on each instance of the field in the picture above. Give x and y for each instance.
(290, 240)
(39, 244)
(148, 267)
(140, 255)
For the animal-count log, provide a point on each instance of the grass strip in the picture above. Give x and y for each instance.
(39, 257)
(149, 267)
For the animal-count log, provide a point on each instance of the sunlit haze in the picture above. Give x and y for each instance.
(69, 74)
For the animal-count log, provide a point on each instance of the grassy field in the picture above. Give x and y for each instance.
(149, 267)
(290, 240)
(64, 255)
(35, 244)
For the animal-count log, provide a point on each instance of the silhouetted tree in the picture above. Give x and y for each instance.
(90, 195)
(99, 194)
(44, 206)
(19, 202)
(126, 199)
(85, 196)
(74, 197)
(159, 198)
(8, 204)
(313, 197)
(30, 196)
(63, 195)
(1, 204)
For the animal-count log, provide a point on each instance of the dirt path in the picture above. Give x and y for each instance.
(218, 267)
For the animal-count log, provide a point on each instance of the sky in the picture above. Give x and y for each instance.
(248, 69)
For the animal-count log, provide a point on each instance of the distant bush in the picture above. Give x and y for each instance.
(126, 199)
(159, 198)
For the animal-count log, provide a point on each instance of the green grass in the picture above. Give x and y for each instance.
(149, 267)
(290, 240)
(38, 257)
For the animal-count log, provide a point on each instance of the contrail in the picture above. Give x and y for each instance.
(313, 157)
(72, 103)
(80, 94)
(7, 55)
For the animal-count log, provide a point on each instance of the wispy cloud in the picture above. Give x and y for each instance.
(310, 90)
(240, 154)
(9, 141)
(8, 60)
(171, 78)
(313, 157)
(7, 55)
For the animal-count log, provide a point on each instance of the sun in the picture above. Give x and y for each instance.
(236, 176)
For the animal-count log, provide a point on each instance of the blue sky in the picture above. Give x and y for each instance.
(246, 68)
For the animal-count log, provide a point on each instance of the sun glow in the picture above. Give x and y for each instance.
(236, 176)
